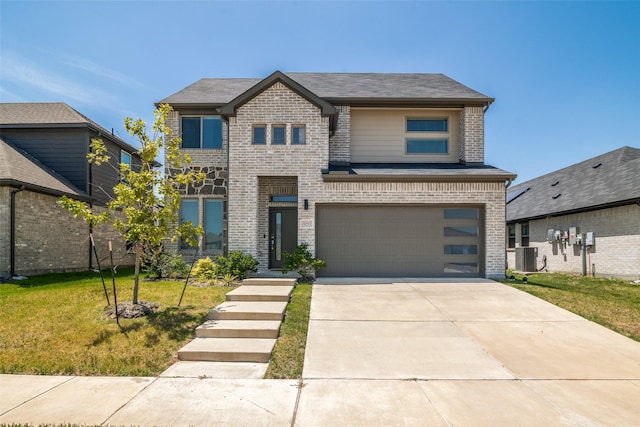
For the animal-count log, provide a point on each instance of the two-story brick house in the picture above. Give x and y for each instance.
(43, 155)
(381, 174)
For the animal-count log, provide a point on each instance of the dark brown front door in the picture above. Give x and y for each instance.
(283, 234)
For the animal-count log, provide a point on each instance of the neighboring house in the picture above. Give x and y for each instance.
(43, 155)
(584, 218)
(381, 174)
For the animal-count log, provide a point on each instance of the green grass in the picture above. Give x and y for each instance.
(287, 358)
(55, 324)
(609, 302)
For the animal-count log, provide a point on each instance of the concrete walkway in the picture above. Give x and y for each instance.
(436, 353)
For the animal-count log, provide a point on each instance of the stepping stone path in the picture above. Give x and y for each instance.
(245, 327)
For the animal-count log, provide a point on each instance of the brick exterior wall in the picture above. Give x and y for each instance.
(49, 239)
(5, 252)
(616, 252)
(247, 162)
(251, 173)
(256, 170)
(339, 142)
(472, 135)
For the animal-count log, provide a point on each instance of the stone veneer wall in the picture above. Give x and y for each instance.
(213, 162)
(340, 141)
(616, 252)
(472, 135)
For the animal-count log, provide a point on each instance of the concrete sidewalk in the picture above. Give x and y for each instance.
(449, 353)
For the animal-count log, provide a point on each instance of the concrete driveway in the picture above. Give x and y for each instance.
(471, 352)
(422, 353)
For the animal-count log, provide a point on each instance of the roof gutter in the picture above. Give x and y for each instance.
(634, 201)
(344, 177)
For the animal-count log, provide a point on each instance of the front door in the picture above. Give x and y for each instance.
(283, 234)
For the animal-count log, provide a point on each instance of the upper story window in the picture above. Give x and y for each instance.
(279, 135)
(125, 158)
(259, 135)
(298, 135)
(427, 125)
(202, 132)
(427, 136)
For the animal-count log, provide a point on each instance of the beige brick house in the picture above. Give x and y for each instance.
(549, 218)
(381, 174)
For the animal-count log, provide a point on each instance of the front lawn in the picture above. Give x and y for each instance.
(609, 302)
(56, 324)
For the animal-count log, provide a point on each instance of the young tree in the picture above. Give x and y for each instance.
(146, 204)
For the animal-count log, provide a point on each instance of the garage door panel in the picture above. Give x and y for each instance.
(396, 241)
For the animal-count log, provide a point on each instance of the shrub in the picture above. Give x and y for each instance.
(236, 264)
(205, 270)
(303, 262)
(157, 263)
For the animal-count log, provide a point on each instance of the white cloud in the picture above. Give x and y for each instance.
(100, 71)
(19, 71)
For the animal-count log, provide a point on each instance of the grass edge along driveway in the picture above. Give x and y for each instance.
(613, 303)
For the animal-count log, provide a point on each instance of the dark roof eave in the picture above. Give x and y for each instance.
(230, 108)
(207, 105)
(98, 129)
(43, 190)
(411, 102)
(576, 210)
(341, 177)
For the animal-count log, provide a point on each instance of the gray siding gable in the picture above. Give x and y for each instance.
(61, 150)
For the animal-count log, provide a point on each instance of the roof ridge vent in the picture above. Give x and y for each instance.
(556, 196)
(597, 165)
(555, 183)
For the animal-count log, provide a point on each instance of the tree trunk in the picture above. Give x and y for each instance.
(136, 278)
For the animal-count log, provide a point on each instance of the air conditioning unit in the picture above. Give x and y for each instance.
(526, 259)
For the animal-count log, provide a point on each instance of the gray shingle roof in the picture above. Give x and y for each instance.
(336, 87)
(18, 168)
(432, 171)
(54, 114)
(608, 179)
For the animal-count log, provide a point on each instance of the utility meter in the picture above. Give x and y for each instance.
(573, 235)
(590, 239)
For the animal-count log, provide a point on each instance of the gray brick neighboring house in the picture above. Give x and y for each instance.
(551, 215)
(381, 174)
(43, 149)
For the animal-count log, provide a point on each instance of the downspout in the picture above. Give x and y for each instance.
(12, 232)
(225, 250)
(90, 191)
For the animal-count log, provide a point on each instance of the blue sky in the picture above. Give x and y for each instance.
(565, 75)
